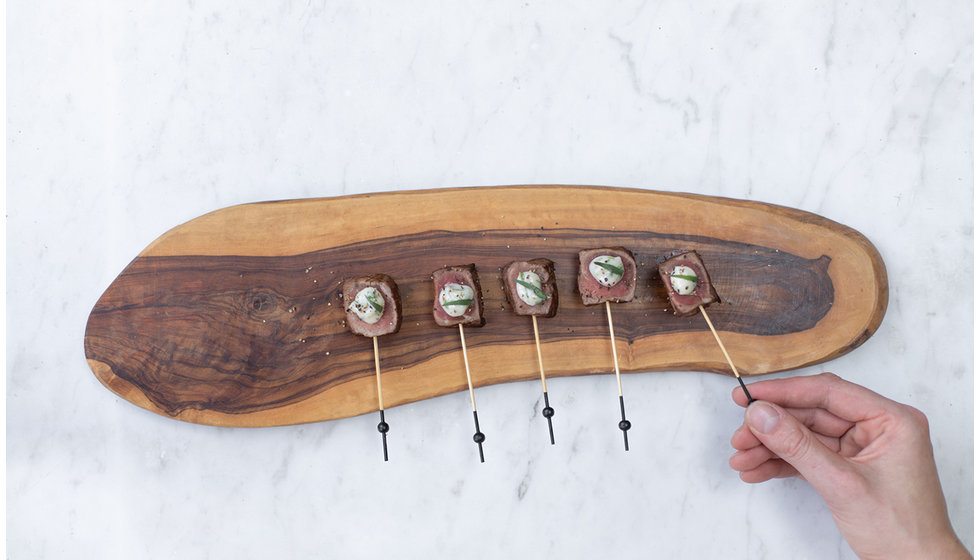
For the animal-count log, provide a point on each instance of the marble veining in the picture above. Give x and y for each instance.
(124, 120)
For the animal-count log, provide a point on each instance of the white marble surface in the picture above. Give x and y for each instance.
(128, 118)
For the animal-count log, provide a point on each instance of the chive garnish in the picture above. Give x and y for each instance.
(377, 306)
(465, 302)
(537, 291)
(685, 277)
(610, 267)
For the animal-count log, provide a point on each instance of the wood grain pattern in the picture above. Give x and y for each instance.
(236, 319)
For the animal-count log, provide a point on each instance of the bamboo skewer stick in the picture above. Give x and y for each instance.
(537, 344)
(547, 411)
(725, 352)
(377, 371)
(612, 338)
(478, 437)
(382, 425)
(624, 424)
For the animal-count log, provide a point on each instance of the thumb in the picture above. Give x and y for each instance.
(794, 443)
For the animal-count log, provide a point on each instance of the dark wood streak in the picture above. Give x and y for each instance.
(238, 334)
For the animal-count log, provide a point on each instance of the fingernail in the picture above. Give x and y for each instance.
(762, 416)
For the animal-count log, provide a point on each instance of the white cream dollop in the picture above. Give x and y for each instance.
(604, 276)
(528, 295)
(683, 286)
(368, 305)
(455, 292)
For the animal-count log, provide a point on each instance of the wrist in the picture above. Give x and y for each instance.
(946, 546)
(952, 548)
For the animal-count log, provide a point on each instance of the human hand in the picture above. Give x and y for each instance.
(869, 457)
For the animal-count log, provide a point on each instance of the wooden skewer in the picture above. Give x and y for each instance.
(466, 364)
(537, 344)
(624, 424)
(478, 437)
(725, 352)
(382, 426)
(377, 371)
(547, 411)
(612, 338)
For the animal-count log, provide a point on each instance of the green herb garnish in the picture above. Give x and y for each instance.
(685, 277)
(610, 267)
(464, 302)
(377, 306)
(537, 291)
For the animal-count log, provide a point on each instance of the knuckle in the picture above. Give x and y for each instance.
(797, 444)
(916, 418)
(830, 377)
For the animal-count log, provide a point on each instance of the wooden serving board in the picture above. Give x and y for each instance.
(235, 318)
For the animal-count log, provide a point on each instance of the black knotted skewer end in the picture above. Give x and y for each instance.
(548, 413)
(624, 424)
(383, 428)
(479, 437)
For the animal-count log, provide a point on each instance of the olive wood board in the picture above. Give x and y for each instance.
(235, 318)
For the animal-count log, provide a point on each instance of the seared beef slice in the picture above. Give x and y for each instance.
(457, 299)
(592, 289)
(390, 319)
(544, 269)
(702, 293)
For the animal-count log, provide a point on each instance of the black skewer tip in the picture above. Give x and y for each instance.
(624, 424)
(746, 390)
(479, 437)
(548, 412)
(383, 427)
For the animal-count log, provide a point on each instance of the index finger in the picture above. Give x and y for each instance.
(844, 399)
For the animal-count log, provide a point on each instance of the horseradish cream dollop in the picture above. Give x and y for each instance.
(683, 280)
(368, 305)
(529, 288)
(455, 299)
(607, 270)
